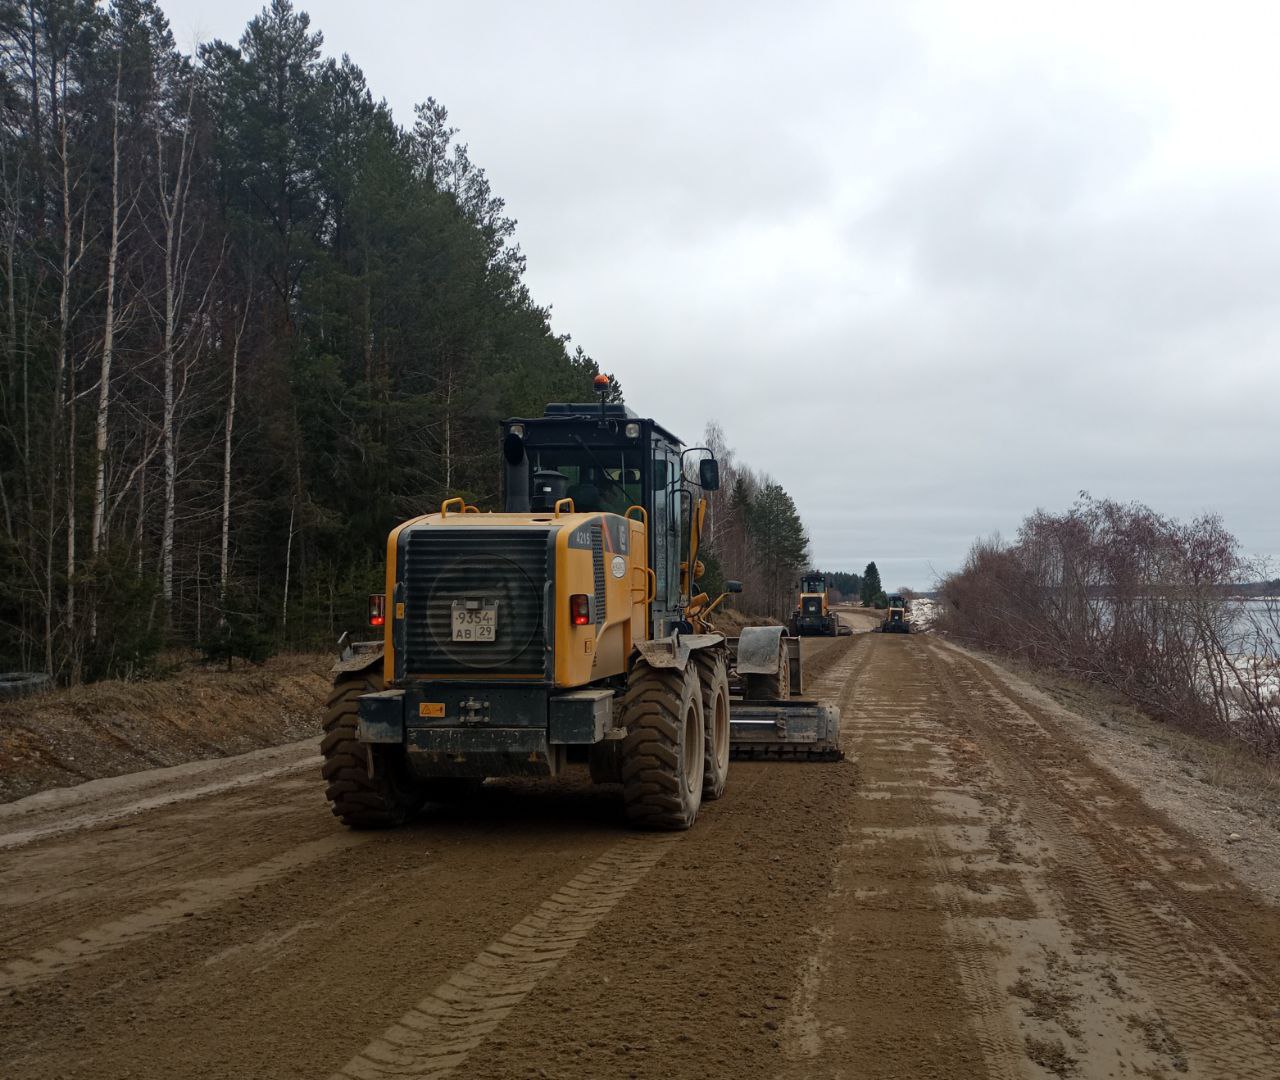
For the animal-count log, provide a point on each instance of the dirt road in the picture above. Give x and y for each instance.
(972, 894)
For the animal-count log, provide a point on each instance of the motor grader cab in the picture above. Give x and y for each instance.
(897, 617)
(568, 627)
(813, 614)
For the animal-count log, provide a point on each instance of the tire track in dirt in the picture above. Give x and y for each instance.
(103, 816)
(1203, 983)
(435, 1037)
(890, 931)
(251, 986)
(198, 896)
(841, 679)
(970, 949)
(1196, 876)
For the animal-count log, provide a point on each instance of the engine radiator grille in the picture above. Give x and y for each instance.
(597, 571)
(439, 566)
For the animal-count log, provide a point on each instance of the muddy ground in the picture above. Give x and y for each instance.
(980, 890)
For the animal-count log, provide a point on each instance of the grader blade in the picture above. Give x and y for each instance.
(793, 730)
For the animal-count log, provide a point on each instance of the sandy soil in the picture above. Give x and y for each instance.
(975, 892)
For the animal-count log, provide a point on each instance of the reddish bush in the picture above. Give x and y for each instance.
(1118, 594)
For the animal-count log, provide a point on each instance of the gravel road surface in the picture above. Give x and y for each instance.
(973, 893)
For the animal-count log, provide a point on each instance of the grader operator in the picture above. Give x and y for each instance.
(567, 628)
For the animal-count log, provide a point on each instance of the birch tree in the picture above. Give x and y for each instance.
(164, 425)
(228, 436)
(101, 427)
(181, 330)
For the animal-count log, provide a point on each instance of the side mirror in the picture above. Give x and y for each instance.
(733, 586)
(709, 474)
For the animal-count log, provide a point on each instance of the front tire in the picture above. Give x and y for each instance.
(662, 754)
(775, 687)
(713, 674)
(361, 798)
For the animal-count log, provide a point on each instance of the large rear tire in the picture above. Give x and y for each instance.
(713, 674)
(775, 687)
(663, 752)
(362, 799)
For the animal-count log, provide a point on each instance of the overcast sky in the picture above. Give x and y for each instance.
(930, 265)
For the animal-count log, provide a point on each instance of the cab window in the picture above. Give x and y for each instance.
(602, 479)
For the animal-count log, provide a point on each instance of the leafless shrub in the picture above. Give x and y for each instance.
(1253, 660)
(1118, 594)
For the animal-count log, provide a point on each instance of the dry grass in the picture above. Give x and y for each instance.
(730, 622)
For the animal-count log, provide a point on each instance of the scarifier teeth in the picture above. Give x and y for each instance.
(785, 753)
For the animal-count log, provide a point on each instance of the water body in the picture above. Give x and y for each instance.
(1254, 621)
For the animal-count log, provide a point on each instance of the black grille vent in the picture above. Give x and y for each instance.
(506, 567)
(597, 565)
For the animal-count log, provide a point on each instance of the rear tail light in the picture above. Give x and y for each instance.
(377, 609)
(580, 609)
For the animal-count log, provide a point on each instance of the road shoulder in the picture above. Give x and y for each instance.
(1213, 791)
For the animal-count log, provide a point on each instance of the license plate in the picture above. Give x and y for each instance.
(475, 620)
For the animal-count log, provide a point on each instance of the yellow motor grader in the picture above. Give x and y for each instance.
(567, 628)
(813, 614)
(897, 617)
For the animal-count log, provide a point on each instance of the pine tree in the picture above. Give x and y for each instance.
(871, 587)
(780, 542)
(247, 324)
(841, 584)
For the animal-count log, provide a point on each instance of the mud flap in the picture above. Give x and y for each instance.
(757, 651)
(761, 654)
(356, 656)
(674, 651)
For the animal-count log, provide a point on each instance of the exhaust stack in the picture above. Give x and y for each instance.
(516, 469)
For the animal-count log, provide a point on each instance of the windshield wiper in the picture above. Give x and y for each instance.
(600, 465)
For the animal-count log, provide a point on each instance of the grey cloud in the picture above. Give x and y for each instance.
(928, 276)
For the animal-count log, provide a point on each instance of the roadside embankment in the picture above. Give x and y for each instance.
(108, 728)
(731, 622)
(1215, 787)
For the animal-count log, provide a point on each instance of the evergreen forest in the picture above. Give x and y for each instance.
(248, 321)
